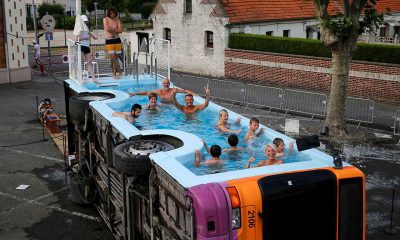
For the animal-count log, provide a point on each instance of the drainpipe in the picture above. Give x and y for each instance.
(5, 42)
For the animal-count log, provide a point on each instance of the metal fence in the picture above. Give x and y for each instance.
(227, 90)
(161, 57)
(396, 126)
(360, 110)
(311, 103)
(269, 97)
(74, 60)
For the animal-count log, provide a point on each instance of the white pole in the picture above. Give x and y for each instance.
(78, 10)
(95, 9)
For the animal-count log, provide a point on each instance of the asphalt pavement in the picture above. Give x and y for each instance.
(44, 210)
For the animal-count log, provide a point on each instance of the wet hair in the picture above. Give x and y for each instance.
(112, 9)
(136, 107)
(215, 151)
(222, 111)
(151, 95)
(277, 141)
(254, 119)
(189, 95)
(271, 145)
(233, 140)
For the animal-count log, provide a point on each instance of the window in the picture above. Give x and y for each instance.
(167, 34)
(209, 39)
(382, 32)
(286, 33)
(188, 6)
(269, 33)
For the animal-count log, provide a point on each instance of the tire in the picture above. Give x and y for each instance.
(79, 103)
(138, 163)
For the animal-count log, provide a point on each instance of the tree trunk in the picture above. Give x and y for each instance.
(336, 118)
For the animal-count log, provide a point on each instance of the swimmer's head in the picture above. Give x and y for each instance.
(270, 150)
(215, 151)
(136, 110)
(233, 140)
(279, 143)
(223, 113)
(189, 100)
(166, 83)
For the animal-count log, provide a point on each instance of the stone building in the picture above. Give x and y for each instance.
(14, 66)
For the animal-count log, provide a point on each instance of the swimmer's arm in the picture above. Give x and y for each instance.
(205, 104)
(207, 148)
(119, 27)
(174, 101)
(291, 147)
(142, 93)
(179, 90)
(197, 160)
(92, 36)
(252, 159)
(248, 136)
(124, 115)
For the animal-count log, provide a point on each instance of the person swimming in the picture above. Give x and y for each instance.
(223, 124)
(131, 116)
(253, 126)
(233, 141)
(152, 105)
(215, 152)
(280, 147)
(270, 152)
(189, 107)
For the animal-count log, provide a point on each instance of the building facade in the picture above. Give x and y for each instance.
(14, 66)
(192, 26)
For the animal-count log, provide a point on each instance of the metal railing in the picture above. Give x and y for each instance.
(360, 110)
(227, 90)
(74, 60)
(311, 103)
(379, 40)
(263, 96)
(396, 126)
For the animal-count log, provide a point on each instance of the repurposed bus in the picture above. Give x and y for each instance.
(140, 182)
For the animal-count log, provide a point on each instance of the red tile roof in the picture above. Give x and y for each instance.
(242, 11)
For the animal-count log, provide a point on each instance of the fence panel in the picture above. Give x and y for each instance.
(74, 60)
(161, 48)
(360, 110)
(305, 102)
(396, 127)
(263, 96)
(227, 90)
(192, 83)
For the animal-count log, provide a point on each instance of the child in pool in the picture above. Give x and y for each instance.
(223, 124)
(215, 152)
(253, 126)
(233, 141)
(270, 152)
(280, 147)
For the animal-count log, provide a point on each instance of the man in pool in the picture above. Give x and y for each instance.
(189, 106)
(136, 110)
(270, 152)
(164, 93)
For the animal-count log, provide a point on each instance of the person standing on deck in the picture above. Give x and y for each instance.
(112, 29)
(84, 39)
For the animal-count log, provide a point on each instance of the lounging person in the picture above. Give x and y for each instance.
(131, 116)
(189, 107)
(223, 124)
(280, 147)
(112, 29)
(215, 152)
(270, 152)
(152, 102)
(253, 126)
(84, 39)
(233, 141)
(164, 93)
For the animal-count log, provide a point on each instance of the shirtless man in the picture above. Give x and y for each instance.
(112, 29)
(270, 152)
(136, 110)
(164, 93)
(189, 107)
(215, 152)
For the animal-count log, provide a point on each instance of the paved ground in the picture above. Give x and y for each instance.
(44, 210)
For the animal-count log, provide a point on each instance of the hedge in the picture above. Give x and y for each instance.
(309, 47)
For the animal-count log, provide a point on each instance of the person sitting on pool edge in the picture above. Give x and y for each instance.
(215, 152)
(223, 124)
(153, 102)
(233, 141)
(164, 93)
(189, 107)
(280, 147)
(253, 126)
(131, 116)
(270, 152)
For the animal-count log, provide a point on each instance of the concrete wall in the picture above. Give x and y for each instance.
(380, 82)
(188, 51)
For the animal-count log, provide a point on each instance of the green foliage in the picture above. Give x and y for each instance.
(69, 22)
(310, 47)
(371, 18)
(147, 9)
(340, 25)
(52, 9)
(297, 46)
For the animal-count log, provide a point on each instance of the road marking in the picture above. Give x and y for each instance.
(35, 155)
(35, 202)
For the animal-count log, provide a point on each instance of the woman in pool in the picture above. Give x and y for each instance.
(270, 152)
(223, 124)
(153, 102)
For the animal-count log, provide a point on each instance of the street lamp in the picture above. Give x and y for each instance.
(95, 10)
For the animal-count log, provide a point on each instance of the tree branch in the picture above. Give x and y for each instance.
(321, 8)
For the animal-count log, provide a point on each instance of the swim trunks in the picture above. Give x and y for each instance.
(113, 45)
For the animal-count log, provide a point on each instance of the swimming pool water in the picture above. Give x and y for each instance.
(202, 124)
